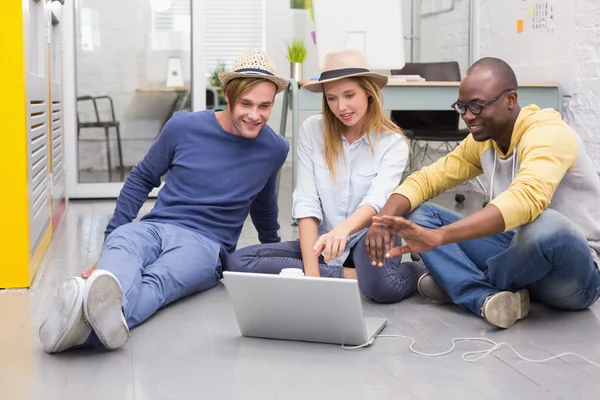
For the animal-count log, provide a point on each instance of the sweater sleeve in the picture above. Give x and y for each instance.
(546, 153)
(144, 177)
(264, 210)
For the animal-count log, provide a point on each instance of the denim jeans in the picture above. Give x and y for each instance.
(549, 256)
(158, 263)
(389, 284)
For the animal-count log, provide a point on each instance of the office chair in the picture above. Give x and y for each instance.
(106, 125)
(426, 125)
(212, 101)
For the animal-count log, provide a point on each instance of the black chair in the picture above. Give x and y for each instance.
(106, 125)
(212, 101)
(430, 126)
(212, 98)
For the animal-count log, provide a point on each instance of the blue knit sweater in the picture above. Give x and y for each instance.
(213, 180)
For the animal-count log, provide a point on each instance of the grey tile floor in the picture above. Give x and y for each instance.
(193, 349)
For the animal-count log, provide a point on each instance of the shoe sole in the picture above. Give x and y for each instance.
(443, 299)
(506, 308)
(102, 304)
(56, 327)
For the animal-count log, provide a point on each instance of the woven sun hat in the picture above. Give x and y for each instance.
(345, 64)
(254, 64)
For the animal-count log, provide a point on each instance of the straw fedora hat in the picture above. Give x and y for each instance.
(254, 64)
(345, 64)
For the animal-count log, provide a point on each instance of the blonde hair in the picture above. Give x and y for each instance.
(374, 120)
(238, 87)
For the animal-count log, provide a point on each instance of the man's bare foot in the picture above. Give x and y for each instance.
(350, 273)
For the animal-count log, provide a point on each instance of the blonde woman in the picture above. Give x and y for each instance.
(351, 158)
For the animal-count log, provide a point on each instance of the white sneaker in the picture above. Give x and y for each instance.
(503, 309)
(102, 305)
(65, 326)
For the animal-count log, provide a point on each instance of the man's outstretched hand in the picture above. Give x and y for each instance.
(417, 238)
(378, 242)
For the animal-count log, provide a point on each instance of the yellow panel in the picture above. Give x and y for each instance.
(14, 205)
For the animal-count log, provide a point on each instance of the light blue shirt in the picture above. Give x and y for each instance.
(364, 177)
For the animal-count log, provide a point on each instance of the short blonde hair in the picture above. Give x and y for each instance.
(238, 87)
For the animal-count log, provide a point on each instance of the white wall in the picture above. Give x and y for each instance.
(569, 55)
(279, 30)
(445, 31)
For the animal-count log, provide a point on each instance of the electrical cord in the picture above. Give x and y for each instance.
(468, 355)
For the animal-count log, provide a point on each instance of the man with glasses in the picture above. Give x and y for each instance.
(537, 237)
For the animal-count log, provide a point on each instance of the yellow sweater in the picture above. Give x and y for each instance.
(551, 169)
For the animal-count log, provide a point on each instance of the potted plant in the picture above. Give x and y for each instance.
(216, 84)
(296, 54)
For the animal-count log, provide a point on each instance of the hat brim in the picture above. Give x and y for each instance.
(317, 86)
(280, 83)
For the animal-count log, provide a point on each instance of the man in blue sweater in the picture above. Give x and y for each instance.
(220, 166)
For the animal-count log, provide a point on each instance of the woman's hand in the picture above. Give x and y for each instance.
(87, 273)
(331, 244)
(378, 242)
(314, 272)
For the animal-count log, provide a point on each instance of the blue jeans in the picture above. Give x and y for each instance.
(549, 256)
(389, 284)
(157, 264)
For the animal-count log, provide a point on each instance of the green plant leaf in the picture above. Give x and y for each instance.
(296, 51)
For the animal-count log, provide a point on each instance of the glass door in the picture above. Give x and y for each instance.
(128, 68)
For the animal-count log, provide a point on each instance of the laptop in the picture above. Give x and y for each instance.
(324, 310)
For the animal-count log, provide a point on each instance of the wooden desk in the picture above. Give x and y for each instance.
(181, 91)
(408, 96)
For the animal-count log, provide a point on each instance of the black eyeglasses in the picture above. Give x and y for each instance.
(477, 108)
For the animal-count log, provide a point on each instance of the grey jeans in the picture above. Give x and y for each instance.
(388, 284)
